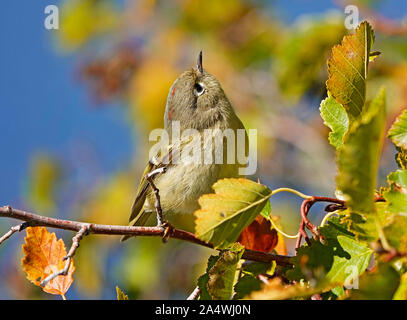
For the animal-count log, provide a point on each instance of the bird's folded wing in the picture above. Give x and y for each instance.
(162, 159)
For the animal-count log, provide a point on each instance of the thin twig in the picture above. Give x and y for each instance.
(306, 206)
(195, 294)
(75, 244)
(160, 219)
(75, 241)
(52, 276)
(301, 231)
(306, 223)
(336, 204)
(263, 278)
(13, 230)
(157, 205)
(94, 228)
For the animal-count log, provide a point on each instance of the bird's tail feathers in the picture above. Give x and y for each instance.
(139, 220)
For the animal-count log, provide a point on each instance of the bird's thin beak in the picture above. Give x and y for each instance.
(199, 62)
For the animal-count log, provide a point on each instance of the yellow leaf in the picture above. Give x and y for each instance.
(121, 295)
(233, 206)
(43, 255)
(277, 290)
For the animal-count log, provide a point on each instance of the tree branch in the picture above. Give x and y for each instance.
(13, 230)
(93, 228)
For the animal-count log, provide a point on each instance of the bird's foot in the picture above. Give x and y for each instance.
(167, 228)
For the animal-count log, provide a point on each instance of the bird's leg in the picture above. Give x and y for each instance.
(160, 219)
(157, 205)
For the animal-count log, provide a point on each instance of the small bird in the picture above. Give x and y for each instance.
(197, 101)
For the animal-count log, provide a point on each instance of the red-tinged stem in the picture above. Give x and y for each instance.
(305, 223)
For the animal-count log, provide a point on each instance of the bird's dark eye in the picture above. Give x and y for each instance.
(199, 89)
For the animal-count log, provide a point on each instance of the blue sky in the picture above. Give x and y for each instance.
(43, 108)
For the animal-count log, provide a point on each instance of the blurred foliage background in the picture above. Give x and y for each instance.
(78, 104)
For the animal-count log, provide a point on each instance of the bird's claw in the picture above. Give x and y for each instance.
(167, 227)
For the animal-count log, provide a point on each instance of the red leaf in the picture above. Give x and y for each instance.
(259, 235)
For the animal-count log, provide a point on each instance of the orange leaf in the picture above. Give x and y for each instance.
(43, 255)
(259, 235)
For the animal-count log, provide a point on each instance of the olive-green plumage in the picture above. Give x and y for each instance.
(197, 101)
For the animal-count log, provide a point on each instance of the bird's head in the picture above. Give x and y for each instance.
(197, 100)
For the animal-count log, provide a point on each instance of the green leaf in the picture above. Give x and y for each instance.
(347, 69)
(401, 158)
(121, 295)
(313, 262)
(255, 268)
(222, 274)
(249, 281)
(233, 206)
(364, 226)
(396, 233)
(334, 228)
(397, 194)
(338, 291)
(342, 267)
(335, 117)
(266, 211)
(203, 280)
(358, 158)
(398, 131)
(377, 285)
(335, 262)
(245, 286)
